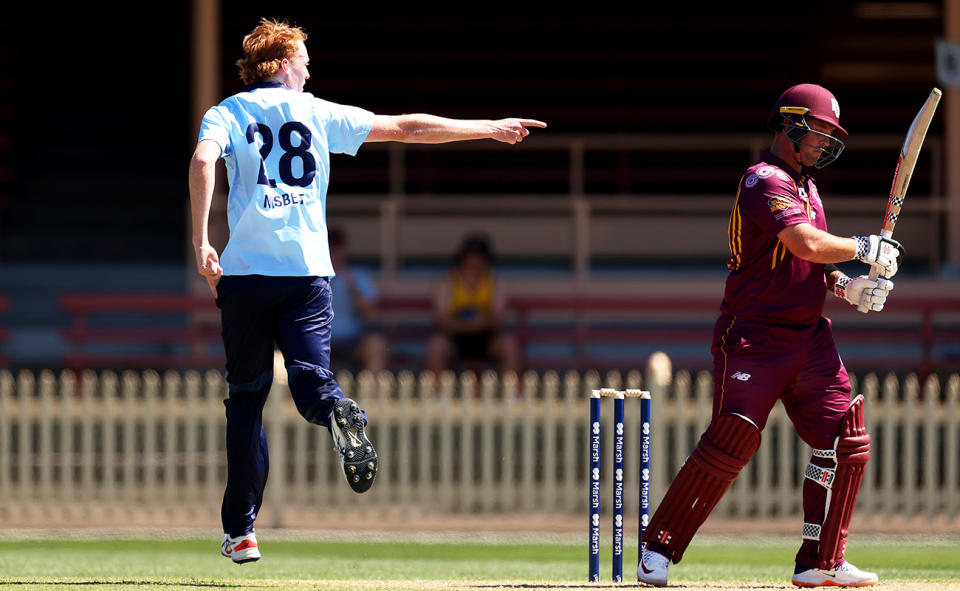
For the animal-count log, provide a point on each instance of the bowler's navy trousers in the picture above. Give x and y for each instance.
(259, 313)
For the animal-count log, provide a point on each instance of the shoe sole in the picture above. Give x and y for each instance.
(245, 560)
(359, 457)
(832, 584)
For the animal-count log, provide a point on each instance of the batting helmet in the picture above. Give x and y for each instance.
(808, 100)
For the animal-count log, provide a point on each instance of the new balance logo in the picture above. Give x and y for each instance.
(743, 377)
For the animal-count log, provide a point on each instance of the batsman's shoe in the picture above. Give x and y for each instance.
(842, 575)
(653, 568)
(357, 455)
(240, 549)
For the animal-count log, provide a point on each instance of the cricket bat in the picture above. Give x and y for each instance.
(904, 171)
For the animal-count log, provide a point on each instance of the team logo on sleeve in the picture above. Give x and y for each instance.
(765, 171)
(779, 203)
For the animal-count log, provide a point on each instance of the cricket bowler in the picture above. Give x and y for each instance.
(274, 274)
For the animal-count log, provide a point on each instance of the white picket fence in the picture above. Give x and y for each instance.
(143, 448)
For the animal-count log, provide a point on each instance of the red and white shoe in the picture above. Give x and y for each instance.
(842, 575)
(241, 549)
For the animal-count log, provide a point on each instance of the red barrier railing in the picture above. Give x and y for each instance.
(582, 321)
(921, 323)
(192, 341)
(627, 323)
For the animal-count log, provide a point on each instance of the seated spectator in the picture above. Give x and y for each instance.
(353, 338)
(469, 309)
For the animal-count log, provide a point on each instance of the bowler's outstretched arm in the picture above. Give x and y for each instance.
(420, 128)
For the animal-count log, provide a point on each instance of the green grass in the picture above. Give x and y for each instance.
(141, 564)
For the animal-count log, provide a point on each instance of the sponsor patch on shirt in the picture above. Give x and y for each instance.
(779, 203)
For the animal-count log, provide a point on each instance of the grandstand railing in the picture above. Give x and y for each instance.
(592, 164)
(642, 197)
(579, 234)
(147, 448)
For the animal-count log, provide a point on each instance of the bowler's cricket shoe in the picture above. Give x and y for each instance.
(653, 568)
(357, 455)
(240, 549)
(842, 575)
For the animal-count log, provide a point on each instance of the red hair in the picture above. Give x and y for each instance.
(265, 47)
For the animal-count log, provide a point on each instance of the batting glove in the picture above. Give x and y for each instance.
(880, 252)
(871, 292)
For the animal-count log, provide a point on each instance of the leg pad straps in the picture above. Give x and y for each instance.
(843, 482)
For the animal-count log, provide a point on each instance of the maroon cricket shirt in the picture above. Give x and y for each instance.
(766, 282)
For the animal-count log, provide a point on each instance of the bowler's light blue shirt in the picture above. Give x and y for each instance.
(276, 143)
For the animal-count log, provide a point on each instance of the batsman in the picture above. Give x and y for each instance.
(772, 343)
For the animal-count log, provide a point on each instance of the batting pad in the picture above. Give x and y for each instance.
(724, 449)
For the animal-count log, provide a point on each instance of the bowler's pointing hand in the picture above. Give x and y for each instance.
(512, 130)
